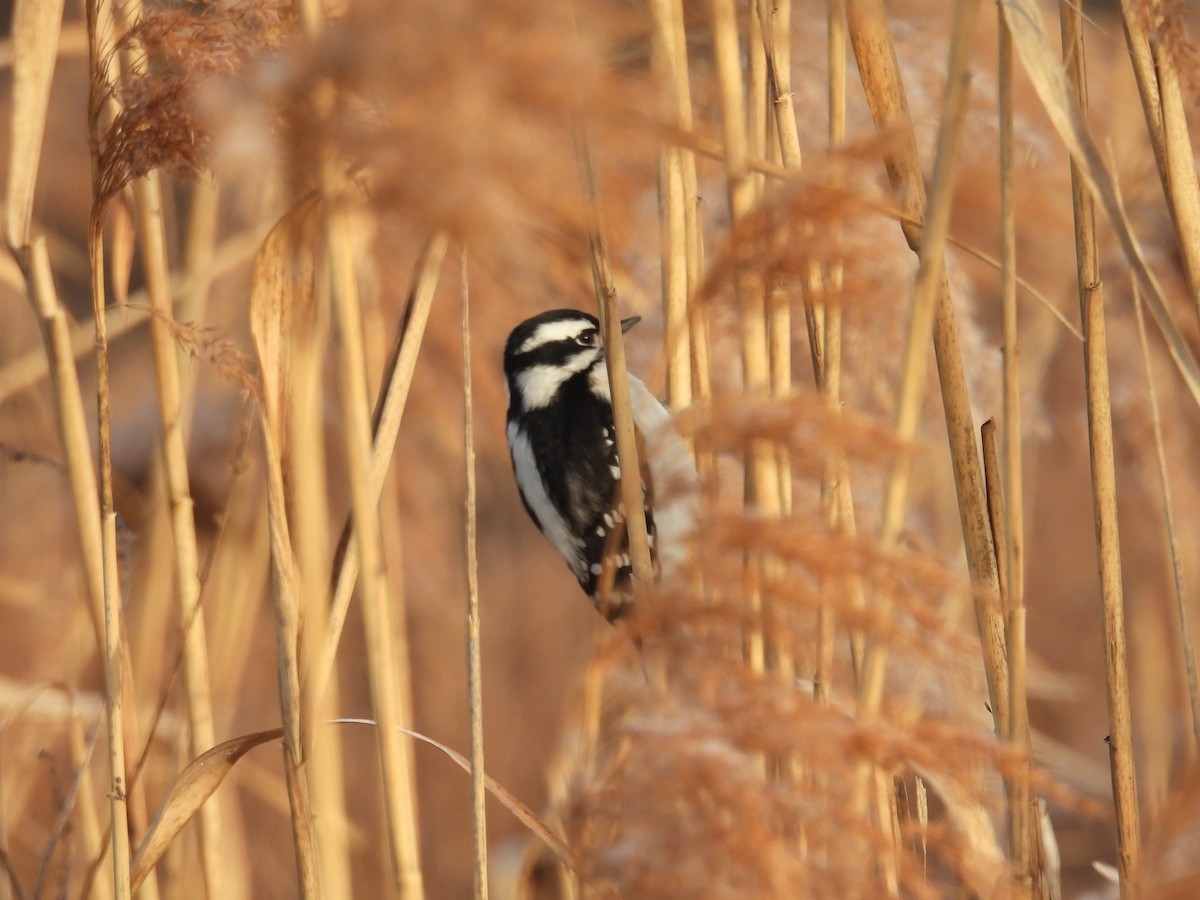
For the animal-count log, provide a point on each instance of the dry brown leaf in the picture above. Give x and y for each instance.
(192, 788)
(1049, 77)
(280, 294)
(35, 28)
(123, 239)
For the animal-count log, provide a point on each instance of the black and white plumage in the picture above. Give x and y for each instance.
(564, 454)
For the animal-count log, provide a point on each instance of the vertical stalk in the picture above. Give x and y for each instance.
(387, 699)
(286, 590)
(389, 411)
(148, 199)
(756, 96)
(1183, 617)
(618, 379)
(94, 536)
(837, 482)
(93, 837)
(696, 333)
(774, 31)
(1104, 490)
(99, 15)
(1163, 105)
(114, 674)
(673, 215)
(283, 281)
(307, 474)
(761, 482)
(1023, 818)
(932, 313)
(474, 658)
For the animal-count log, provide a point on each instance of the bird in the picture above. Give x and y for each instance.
(563, 444)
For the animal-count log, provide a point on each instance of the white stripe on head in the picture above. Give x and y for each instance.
(549, 520)
(539, 385)
(552, 332)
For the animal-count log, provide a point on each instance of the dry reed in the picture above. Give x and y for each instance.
(843, 748)
(1104, 492)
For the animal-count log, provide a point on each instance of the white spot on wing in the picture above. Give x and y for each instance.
(529, 482)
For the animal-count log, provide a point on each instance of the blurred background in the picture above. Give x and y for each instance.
(466, 110)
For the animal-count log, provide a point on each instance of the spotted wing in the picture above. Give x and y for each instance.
(609, 570)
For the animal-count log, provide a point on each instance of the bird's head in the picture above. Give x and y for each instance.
(546, 351)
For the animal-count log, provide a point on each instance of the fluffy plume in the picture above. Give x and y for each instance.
(168, 55)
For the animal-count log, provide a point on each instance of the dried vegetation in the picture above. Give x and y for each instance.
(905, 660)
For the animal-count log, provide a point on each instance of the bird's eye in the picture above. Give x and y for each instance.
(586, 339)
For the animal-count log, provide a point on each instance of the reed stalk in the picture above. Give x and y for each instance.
(388, 683)
(307, 477)
(389, 411)
(99, 21)
(672, 212)
(1104, 488)
(837, 483)
(151, 227)
(283, 282)
(97, 539)
(93, 838)
(932, 313)
(1050, 80)
(773, 28)
(618, 375)
(760, 477)
(757, 90)
(1022, 806)
(1157, 77)
(1182, 615)
(474, 649)
(674, 43)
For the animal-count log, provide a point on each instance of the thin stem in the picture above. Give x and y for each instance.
(1023, 818)
(673, 215)
(1104, 488)
(837, 481)
(99, 21)
(1181, 605)
(1163, 106)
(148, 199)
(474, 657)
(389, 411)
(760, 479)
(618, 379)
(383, 663)
(932, 313)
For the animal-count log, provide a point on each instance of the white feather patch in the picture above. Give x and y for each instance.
(552, 332)
(539, 385)
(676, 485)
(529, 482)
(598, 382)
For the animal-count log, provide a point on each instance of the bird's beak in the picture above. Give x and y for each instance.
(626, 324)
